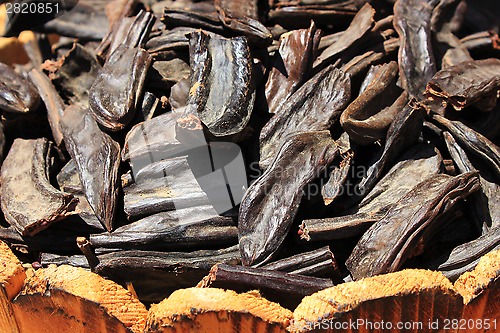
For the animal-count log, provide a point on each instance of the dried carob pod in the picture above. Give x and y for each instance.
(97, 159)
(389, 242)
(173, 187)
(226, 276)
(270, 203)
(465, 83)
(360, 25)
(420, 162)
(156, 274)
(315, 106)
(17, 95)
(242, 17)
(403, 133)
(53, 102)
(189, 228)
(222, 91)
(473, 142)
(116, 93)
(291, 65)
(30, 203)
(368, 117)
(412, 21)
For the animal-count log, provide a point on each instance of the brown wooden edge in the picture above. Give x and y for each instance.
(12, 276)
(68, 299)
(216, 310)
(425, 300)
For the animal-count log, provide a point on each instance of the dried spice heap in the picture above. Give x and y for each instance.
(286, 147)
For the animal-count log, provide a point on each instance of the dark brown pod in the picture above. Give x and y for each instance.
(225, 276)
(17, 94)
(187, 228)
(172, 186)
(473, 142)
(29, 202)
(402, 134)
(291, 65)
(75, 75)
(320, 263)
(97, 159)
(468, 82)
(485, 204)
(368, 117)
(389, 242)
(315, 106)
(53, 102)
(242, 17)
(466, 256)
(360, 25)
(155, 275)
(69, 181)
(116, 92)
(412, 21)
(377, 54)
(271, 202)
(222, 91)
(420, 162)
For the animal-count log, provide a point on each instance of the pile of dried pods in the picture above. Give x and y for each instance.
(286, 146)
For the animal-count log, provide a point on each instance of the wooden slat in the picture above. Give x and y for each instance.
(12, 277)
(212, 310)
(480, 289)
(69, 299)
(409, 296)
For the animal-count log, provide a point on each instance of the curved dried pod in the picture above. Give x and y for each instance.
(12, 276)
(315, 106)
(412, 21)
(174, 186)
(249, 278)
(473, 142)
(291, 65)
(115, 94)
(389, 242)
(406, 295)
(68, 180)
(70, 299)
(75, 75)
(17, 95)
(97, 159)
(402, 134)
(222, 91)
(151, 140)
(271, 202)
(193, 227)
(466, 256)
(155, 275)
(200, 15)
(420, 162)
(485, 205)
(203, 308)
(446, 18)
(377, 54)
(468, 82)
(368, 117)
(360, 25)
(53, 102)
(242, 17)
(30, 203)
